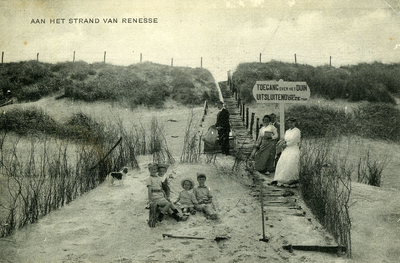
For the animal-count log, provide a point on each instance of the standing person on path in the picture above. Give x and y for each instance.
(223, 127)
(264, 150)
(288, 167)
(277, 125)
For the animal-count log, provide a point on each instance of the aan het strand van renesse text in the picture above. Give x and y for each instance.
(131, 20)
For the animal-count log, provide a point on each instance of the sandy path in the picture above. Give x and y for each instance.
(109, 224)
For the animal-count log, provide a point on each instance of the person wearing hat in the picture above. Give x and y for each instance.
(156, 196)
(223, 127)
(265, 147)
(288, 166)
(186, 199)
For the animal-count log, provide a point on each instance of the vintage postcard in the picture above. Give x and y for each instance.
(147, 131)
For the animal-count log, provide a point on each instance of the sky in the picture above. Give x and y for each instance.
(214, 34)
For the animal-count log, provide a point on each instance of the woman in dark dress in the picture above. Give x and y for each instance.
(265, 148)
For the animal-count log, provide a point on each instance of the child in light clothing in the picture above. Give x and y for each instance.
(157, 196)
(204, 197)
(186, 198)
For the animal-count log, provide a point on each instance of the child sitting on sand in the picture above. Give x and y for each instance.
(156, 194)
(162, 171)
(204, 197)
(186, 198)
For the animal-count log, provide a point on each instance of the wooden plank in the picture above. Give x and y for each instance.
(327, 249)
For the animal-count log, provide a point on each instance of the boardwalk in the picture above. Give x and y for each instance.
(282, 207)
(243, 139)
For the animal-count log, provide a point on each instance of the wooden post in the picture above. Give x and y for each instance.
(172, 62)
(251, 124)
(243, 113)
(295, 59)
(330, 60)
(282, 119)
(257, 127)
(247, 118)
(37, 57)
(2, 56)
(73, 59)
(140, 57)
(104, 56)
(260, 57)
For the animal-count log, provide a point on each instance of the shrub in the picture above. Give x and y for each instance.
(32, 120)
(183, 89)
(378, 121)
(58, 67)
(79, 127)
(363, 86)
(319, 121)
(79, 76)
(82, 127)
(330, 82)
(373, 120)
(369, 169)
(28, 72)
(6, 86)
(31, 92)
(391, 79)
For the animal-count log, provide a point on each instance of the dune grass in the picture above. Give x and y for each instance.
(147, 83)
(374, 120)
(325, 182)
(43, 169)
(374, 82)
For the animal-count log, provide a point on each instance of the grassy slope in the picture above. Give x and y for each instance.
(146, 83)
(374, 82)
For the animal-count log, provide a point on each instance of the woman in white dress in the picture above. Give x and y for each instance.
(287, 168)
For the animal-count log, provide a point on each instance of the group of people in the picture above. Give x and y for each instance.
(280, 156)
(272, 154)
(190, 199)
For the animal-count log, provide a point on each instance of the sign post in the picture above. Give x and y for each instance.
(281, 92)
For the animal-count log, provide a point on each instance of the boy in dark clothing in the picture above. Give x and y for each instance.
(223, 127)
(162, 170)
